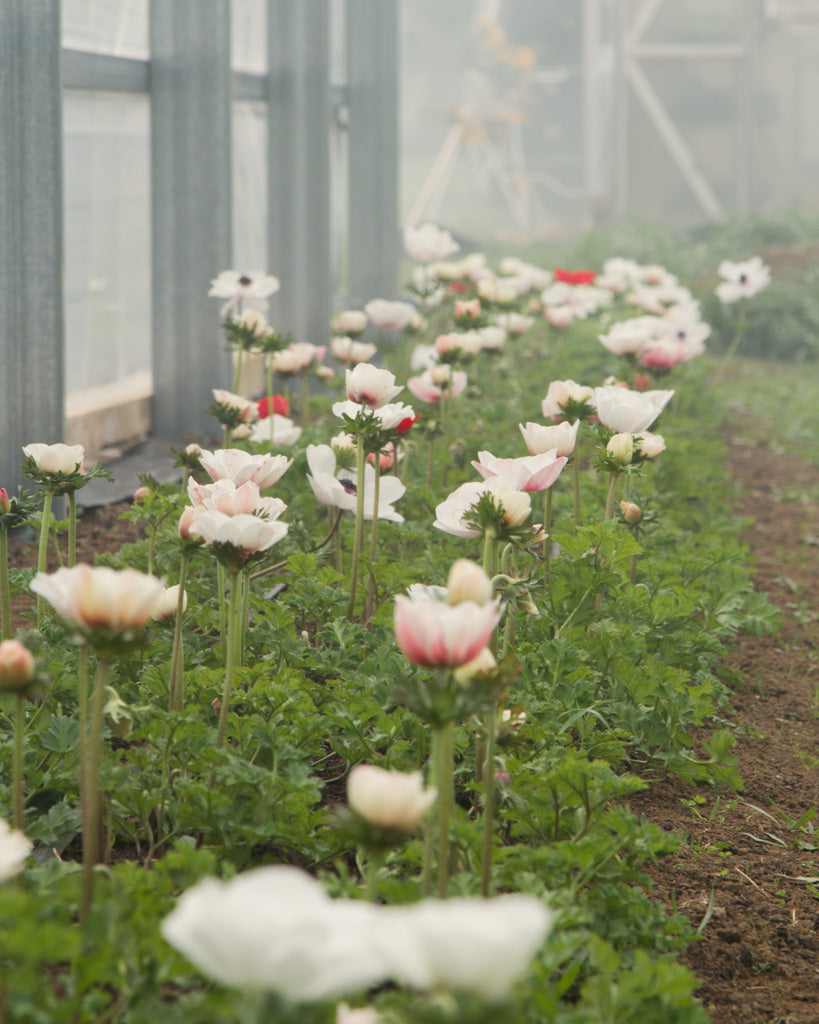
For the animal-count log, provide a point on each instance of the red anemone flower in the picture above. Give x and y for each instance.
(575, 276)
(405, 425)
(281, 406)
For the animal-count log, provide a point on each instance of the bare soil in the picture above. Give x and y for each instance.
(746, 871)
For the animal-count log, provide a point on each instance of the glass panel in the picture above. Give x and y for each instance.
(107, 238)
(248, 35)
(250, 186)
(118, 27)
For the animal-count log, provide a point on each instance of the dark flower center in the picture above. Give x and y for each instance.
(348, 485)
(743, 278)
(244, 280)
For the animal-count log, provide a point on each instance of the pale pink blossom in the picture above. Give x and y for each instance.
(389, 316)
(559, 316)
(239, 466)
(350, 321)
(16, 665)
(562, 394)
(433, 633)
(649, 445)
(249, 534)
(350, 351)
(561, 437)
(530, 473)
(441, 380)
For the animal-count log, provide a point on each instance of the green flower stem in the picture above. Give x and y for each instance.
(338, 546)
(374, 863)
(359, 523)
(237, 371)
(739, 329)
(547, 529)
(633, 570)
(177, 678)
(446, 800)
(92, 802)
(305, 399)
(228, 437)
(430, 460)
(17, 768)
(373, 539)
(429, 825)
(233, 644)
(5, 590)
(220, 588)
(613, 477)
(244, 614)
(576, 465)
(42, 553)
(489, 803)
(269, 368)
(72, 528)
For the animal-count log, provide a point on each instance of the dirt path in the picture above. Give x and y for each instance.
(758, 958)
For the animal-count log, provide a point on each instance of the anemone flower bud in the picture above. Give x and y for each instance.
(16, 665)
(631, 513)
(561, 437)
(649, 445)
(483, 662)
(468, 582)
(620, 449)
(388, 800)
(5, 500)
(186, 521)
(166, 604)
(140, 494)
(516, 505)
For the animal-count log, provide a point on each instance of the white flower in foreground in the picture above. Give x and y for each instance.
(254, 287)
(368, 385)
(473, 945)
(389, 800)
(561, 437)
(239, 466)
(284, 430)
(428, 243)
(14, 848)
(100, 598)
(275, 929)
(56, 458)
(742, 279)
(359, 1015)
(626, 411)
(389, 316)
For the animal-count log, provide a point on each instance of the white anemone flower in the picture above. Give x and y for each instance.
(742, 279)
(14, 848)
(338, 488)
(253, 287)
(249, 534)
(56, 458)
(626, 411)
(389, 316)
(429, 243)
(284, 431)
